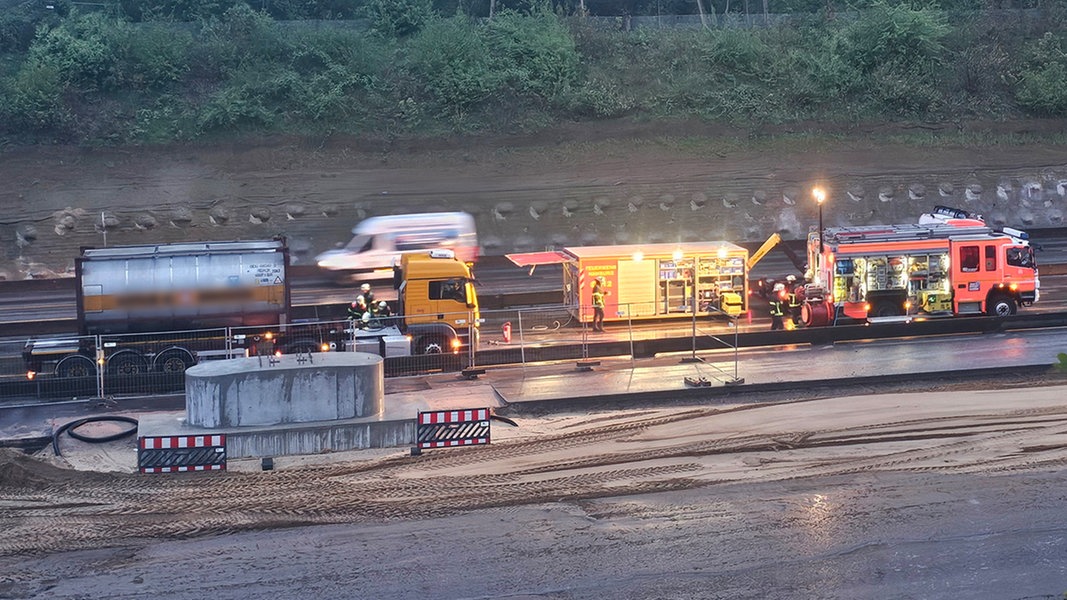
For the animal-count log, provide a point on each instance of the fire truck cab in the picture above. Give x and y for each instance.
(935, 268)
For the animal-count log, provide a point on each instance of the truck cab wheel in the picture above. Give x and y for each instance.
(1001, 306)
(431, 345)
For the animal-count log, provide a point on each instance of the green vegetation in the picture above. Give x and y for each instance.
(157, 71)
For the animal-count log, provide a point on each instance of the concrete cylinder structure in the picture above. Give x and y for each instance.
(274, 390)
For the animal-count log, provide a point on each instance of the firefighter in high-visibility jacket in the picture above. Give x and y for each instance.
(777, 306)
(795, 297)
(357, 309)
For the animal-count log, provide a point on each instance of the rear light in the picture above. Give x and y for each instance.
(31, 374)
(325, 347)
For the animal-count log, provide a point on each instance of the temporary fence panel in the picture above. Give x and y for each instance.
(156, 362)
(54, 368)
(552, 333)
(449, 428)
(179, 453)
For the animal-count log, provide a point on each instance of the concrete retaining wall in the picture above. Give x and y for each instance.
(262, 391)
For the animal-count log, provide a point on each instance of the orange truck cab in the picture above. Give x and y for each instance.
(437, 302)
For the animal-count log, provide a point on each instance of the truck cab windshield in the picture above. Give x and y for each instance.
(449, 289)
(1021, 257)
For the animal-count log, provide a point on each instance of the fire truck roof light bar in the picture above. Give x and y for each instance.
(1013, 232)
(848, 235)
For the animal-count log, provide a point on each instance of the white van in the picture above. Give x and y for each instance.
(379, 241)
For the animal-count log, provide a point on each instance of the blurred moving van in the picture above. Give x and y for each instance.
(378, 242)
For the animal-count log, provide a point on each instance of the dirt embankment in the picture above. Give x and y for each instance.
(577, 185)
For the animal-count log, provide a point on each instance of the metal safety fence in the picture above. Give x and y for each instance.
(56, 368)
(561, 333)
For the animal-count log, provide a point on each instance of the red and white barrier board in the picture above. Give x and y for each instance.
(181, 453)
(451, 428)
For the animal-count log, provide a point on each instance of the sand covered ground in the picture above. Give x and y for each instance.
(930, 494)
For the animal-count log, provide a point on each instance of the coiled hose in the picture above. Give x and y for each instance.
(70, 428)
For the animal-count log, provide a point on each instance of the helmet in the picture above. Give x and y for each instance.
(791, 278)
(600, 279)
(360, 300)
(382, 304)
(779, 287)
(364, 288)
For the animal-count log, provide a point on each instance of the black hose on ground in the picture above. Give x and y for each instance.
(503, 420)
(70, 427)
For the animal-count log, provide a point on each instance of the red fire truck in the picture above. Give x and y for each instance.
(941, 267)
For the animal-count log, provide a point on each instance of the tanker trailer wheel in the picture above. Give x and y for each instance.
(302, 348)
(431, 345)
(1001, 306)
(126, 362)
(75, 366)
(174, 361)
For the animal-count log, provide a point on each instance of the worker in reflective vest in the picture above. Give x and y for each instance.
(598, 304)
(777, 307)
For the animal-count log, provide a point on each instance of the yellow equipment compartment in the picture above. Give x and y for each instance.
(933, 301)
(731, 304)
(655, 281)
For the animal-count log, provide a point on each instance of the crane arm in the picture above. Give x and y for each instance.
(763, 250)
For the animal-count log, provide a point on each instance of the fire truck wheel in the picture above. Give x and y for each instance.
(431, 345)
(1001, 306)
(886, 308)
